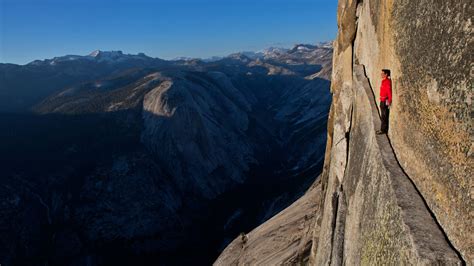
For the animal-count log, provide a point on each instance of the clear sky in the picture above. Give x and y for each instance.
(39, 29)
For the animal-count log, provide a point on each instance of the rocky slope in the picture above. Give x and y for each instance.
(404, 198)
(284, 239)
(144, 163)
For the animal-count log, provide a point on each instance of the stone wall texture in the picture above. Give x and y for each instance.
(405, 198)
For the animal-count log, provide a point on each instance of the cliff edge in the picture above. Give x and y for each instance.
(406, 197)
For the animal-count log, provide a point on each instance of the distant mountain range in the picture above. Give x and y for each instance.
(111, 158)
(268, 53)
(25, 85)
(112, 57)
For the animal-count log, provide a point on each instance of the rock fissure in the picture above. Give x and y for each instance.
(337, 253)
(335, 204)
(347, 136)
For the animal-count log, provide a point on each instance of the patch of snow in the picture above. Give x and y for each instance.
(95, 53)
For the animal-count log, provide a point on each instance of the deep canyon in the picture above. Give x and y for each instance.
(113, 158)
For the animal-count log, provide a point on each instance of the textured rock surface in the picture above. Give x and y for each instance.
(411, 203)
(284, 239)
(373, 214)
(405, 198)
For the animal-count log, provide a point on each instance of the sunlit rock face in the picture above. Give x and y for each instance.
(427, 47)
(399, 199)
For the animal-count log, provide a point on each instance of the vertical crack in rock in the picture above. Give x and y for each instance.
(347, 135)
(356, 24)
(335, 206)
(340, 208)
(337, 252)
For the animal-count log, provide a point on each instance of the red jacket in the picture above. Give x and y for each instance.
(386, 91)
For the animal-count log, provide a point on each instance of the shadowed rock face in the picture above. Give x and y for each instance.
(141, 165)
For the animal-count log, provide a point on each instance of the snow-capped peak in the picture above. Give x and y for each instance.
(303, 47)
(95, 53)
(106, 54)
(327, 44)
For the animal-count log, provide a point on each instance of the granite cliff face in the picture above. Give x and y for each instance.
(406, 197)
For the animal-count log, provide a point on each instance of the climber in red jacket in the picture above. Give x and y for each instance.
(385, 100)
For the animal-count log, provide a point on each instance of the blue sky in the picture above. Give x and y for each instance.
(38, 29)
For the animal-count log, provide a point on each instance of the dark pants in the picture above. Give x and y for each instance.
(384, 117)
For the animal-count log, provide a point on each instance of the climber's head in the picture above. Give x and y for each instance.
(385, 73)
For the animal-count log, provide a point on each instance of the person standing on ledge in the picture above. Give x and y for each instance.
(385, 100)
